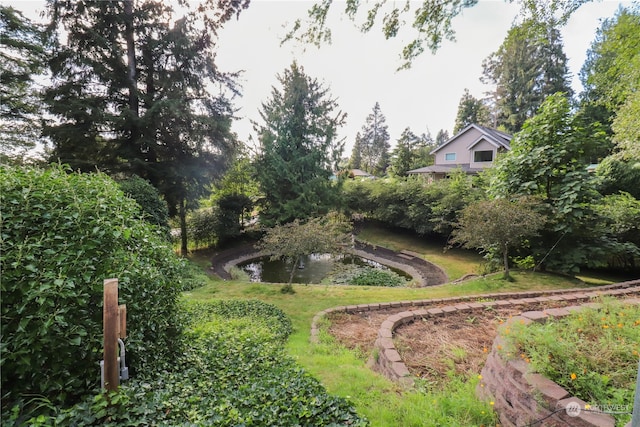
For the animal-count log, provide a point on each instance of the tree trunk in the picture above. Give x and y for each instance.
(183, 227)
(131, 58)
(293, 269)
(505, 255)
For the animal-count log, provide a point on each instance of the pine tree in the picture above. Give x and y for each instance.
(23, 56)
(299, 150)
(403, 157)
(529, 66)
(355, 161)
(375, 143)
(133, 93)
(471, 111)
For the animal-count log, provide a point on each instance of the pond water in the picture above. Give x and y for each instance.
(310, 269)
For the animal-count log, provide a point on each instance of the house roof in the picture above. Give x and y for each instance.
(493, 136)
(444, 169)
(360, 173)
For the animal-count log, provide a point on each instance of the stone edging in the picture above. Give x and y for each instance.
(388, 360)
(522, 397)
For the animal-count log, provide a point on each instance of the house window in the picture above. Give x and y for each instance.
(483, 156)
(450, 157)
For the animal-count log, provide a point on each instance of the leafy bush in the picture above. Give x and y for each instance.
(202, 226)
(234, 371)
(62, 234)
(365, 276)
(154, 208)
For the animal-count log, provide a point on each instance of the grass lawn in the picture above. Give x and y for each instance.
(344, 372)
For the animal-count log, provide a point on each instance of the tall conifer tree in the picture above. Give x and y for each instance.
(299, 149)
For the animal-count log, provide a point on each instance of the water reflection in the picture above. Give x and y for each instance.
(310, 269)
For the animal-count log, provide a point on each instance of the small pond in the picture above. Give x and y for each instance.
(311, 269)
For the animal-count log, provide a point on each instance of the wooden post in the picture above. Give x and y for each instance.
(122, 317)
(110, 324)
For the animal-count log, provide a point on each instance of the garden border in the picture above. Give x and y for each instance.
(521, 396)
(388, 360)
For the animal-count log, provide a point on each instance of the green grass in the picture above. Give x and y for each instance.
(455, 262)
(345, 373)
(593, 354)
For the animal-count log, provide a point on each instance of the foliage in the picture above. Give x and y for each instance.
(234, 371)
(136, 90)
(154, 209)
(547, 159)
(202, 227)
(529, 65)
(23, 55)
(610, 77)
(231, 211)
(323, 235)
(299, 150)
(619, 221)
(374, 143)
(618, 174)
(366, 276)
(411, 204)
(411, 152)
(593, 353)
(62, 235)
(471, 111)
(498, 225)
(430, 21)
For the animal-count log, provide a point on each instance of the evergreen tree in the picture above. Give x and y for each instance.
(23, 56)
(441, 137)
(375, 143)
(471, 111)
(299, 149)
(403, 157)
(529, 66)
(133, 93)
(355, 161)
(425, 146)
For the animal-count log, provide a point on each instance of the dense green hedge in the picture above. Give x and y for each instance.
(234, 372)
(62, 234)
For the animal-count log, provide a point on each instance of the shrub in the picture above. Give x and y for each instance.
(154, 208)
(62, 234)
(365, 276)
(202, 226)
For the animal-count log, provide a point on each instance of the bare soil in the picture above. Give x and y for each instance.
(434, 347)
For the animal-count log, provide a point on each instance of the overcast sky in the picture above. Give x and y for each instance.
(360, 69)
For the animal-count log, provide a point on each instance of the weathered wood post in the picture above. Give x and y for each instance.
(111, 325)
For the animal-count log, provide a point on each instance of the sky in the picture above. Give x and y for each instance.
(361, 69)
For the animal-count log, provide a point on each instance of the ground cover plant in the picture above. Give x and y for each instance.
(593, 354)
(234, 372)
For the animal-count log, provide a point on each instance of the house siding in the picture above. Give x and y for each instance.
(482, 146)
(460, 146)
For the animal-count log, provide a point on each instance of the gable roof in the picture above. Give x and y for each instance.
(493, 136)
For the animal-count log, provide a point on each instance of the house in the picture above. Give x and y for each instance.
(472, 149)
(358, 173)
